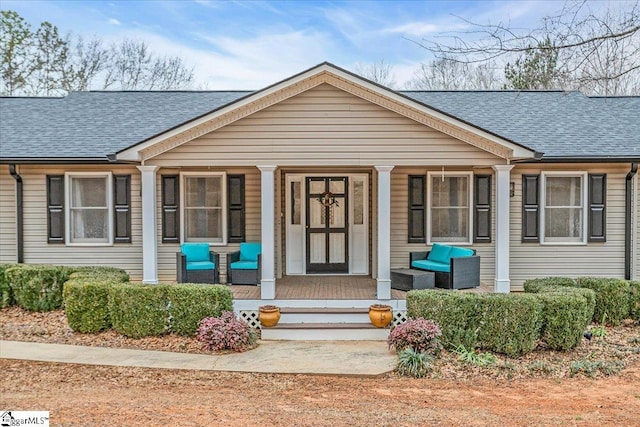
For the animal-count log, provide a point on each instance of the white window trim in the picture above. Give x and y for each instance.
(67, 206)
(469, 176)
(205, 174)
(543, 202)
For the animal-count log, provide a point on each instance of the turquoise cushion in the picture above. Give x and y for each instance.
(439, 253)
(201, 265)
(244, 265)
(196, 251)
(250, 251)
(457, 252)
(431, 265)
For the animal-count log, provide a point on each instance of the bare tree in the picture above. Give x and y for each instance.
(577, 33)
(51, 53)
(15, 43)
(447, 74)
(133, 66)
(87, 60)
(378, 72)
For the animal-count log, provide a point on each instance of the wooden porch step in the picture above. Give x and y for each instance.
(306, 310)
(325, 332)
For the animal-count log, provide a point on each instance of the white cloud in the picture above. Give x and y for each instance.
(114, 21)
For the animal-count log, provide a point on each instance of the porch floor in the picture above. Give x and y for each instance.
(321, 287)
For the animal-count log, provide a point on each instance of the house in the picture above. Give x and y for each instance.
(539, 183)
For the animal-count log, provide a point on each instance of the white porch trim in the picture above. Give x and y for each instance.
(384, 232)
(149, 225)
(268, 198)
(503, 178)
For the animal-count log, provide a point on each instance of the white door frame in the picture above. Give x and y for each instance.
(295, 235)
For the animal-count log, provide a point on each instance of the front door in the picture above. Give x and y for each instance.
(327, 225)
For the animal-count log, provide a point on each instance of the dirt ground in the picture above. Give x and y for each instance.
(79, 395)
(538, 389)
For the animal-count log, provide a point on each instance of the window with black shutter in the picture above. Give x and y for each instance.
(530, 208)
(55, 209)
(597, 207)
(482, 209)
(417, 205)
(122, 208)
(235, 208)
(170, 208)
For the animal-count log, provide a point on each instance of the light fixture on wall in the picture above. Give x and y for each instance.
(512, 189)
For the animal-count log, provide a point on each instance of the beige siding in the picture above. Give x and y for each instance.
(400, 249)
(325, 127)
(8, 249)
(636, 260)
(36, 248)
(167, 251)
(529, 260)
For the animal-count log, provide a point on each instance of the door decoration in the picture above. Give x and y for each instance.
(328, 200)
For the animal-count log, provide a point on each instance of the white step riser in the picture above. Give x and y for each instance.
(324, 318)
(325, 334)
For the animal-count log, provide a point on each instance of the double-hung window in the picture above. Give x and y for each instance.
(89, 208)
(204, 198)
(564, 216)
(449, 214)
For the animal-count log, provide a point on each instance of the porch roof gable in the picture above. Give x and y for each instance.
(341, 79)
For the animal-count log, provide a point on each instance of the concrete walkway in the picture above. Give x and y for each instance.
(367, 358)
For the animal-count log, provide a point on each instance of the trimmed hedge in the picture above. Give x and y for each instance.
(634, 300)
(6, 295)
(510, 323)
(139, 310)
(457, 314)
(86, 297)
(612, 298)
(190, 303)
(38, 287)
(504, 323)
(145, 310)
(537, 285)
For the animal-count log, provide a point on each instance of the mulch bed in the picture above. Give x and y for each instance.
(600, 356)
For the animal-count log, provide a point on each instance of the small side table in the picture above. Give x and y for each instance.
(406, 279)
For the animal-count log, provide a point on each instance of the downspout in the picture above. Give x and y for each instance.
(19, 213)
(628, 220)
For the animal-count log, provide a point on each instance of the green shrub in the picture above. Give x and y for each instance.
(38, 287)
(139, 310)
(6, 295)
(566, 317)
(86, 305)
(414, 363)
(471, 357)
(634, 300)
(612, 298)
(111, 274)
(226, 332)
(457, 314)
(537, 285)
(190, 303)
(510, 323)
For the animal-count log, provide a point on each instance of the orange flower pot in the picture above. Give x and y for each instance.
(380, 315)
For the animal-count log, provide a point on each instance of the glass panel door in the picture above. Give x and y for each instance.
(327, 225)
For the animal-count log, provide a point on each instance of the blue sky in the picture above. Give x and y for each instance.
(252, 44)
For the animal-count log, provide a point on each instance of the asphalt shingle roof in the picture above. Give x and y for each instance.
(93, 124)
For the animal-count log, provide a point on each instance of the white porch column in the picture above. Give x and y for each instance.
(384, 232)
(149, 225)
(503, 178)
(267, 201)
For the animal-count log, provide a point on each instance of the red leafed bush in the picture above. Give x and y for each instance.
(419, 334)
(226, 332)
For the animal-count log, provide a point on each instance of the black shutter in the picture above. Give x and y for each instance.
(417, 220)
(530, 208)
(170, 208)
(597, 205)
(235, 208)
(55, 208)
(122, 208)
(482, 209)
